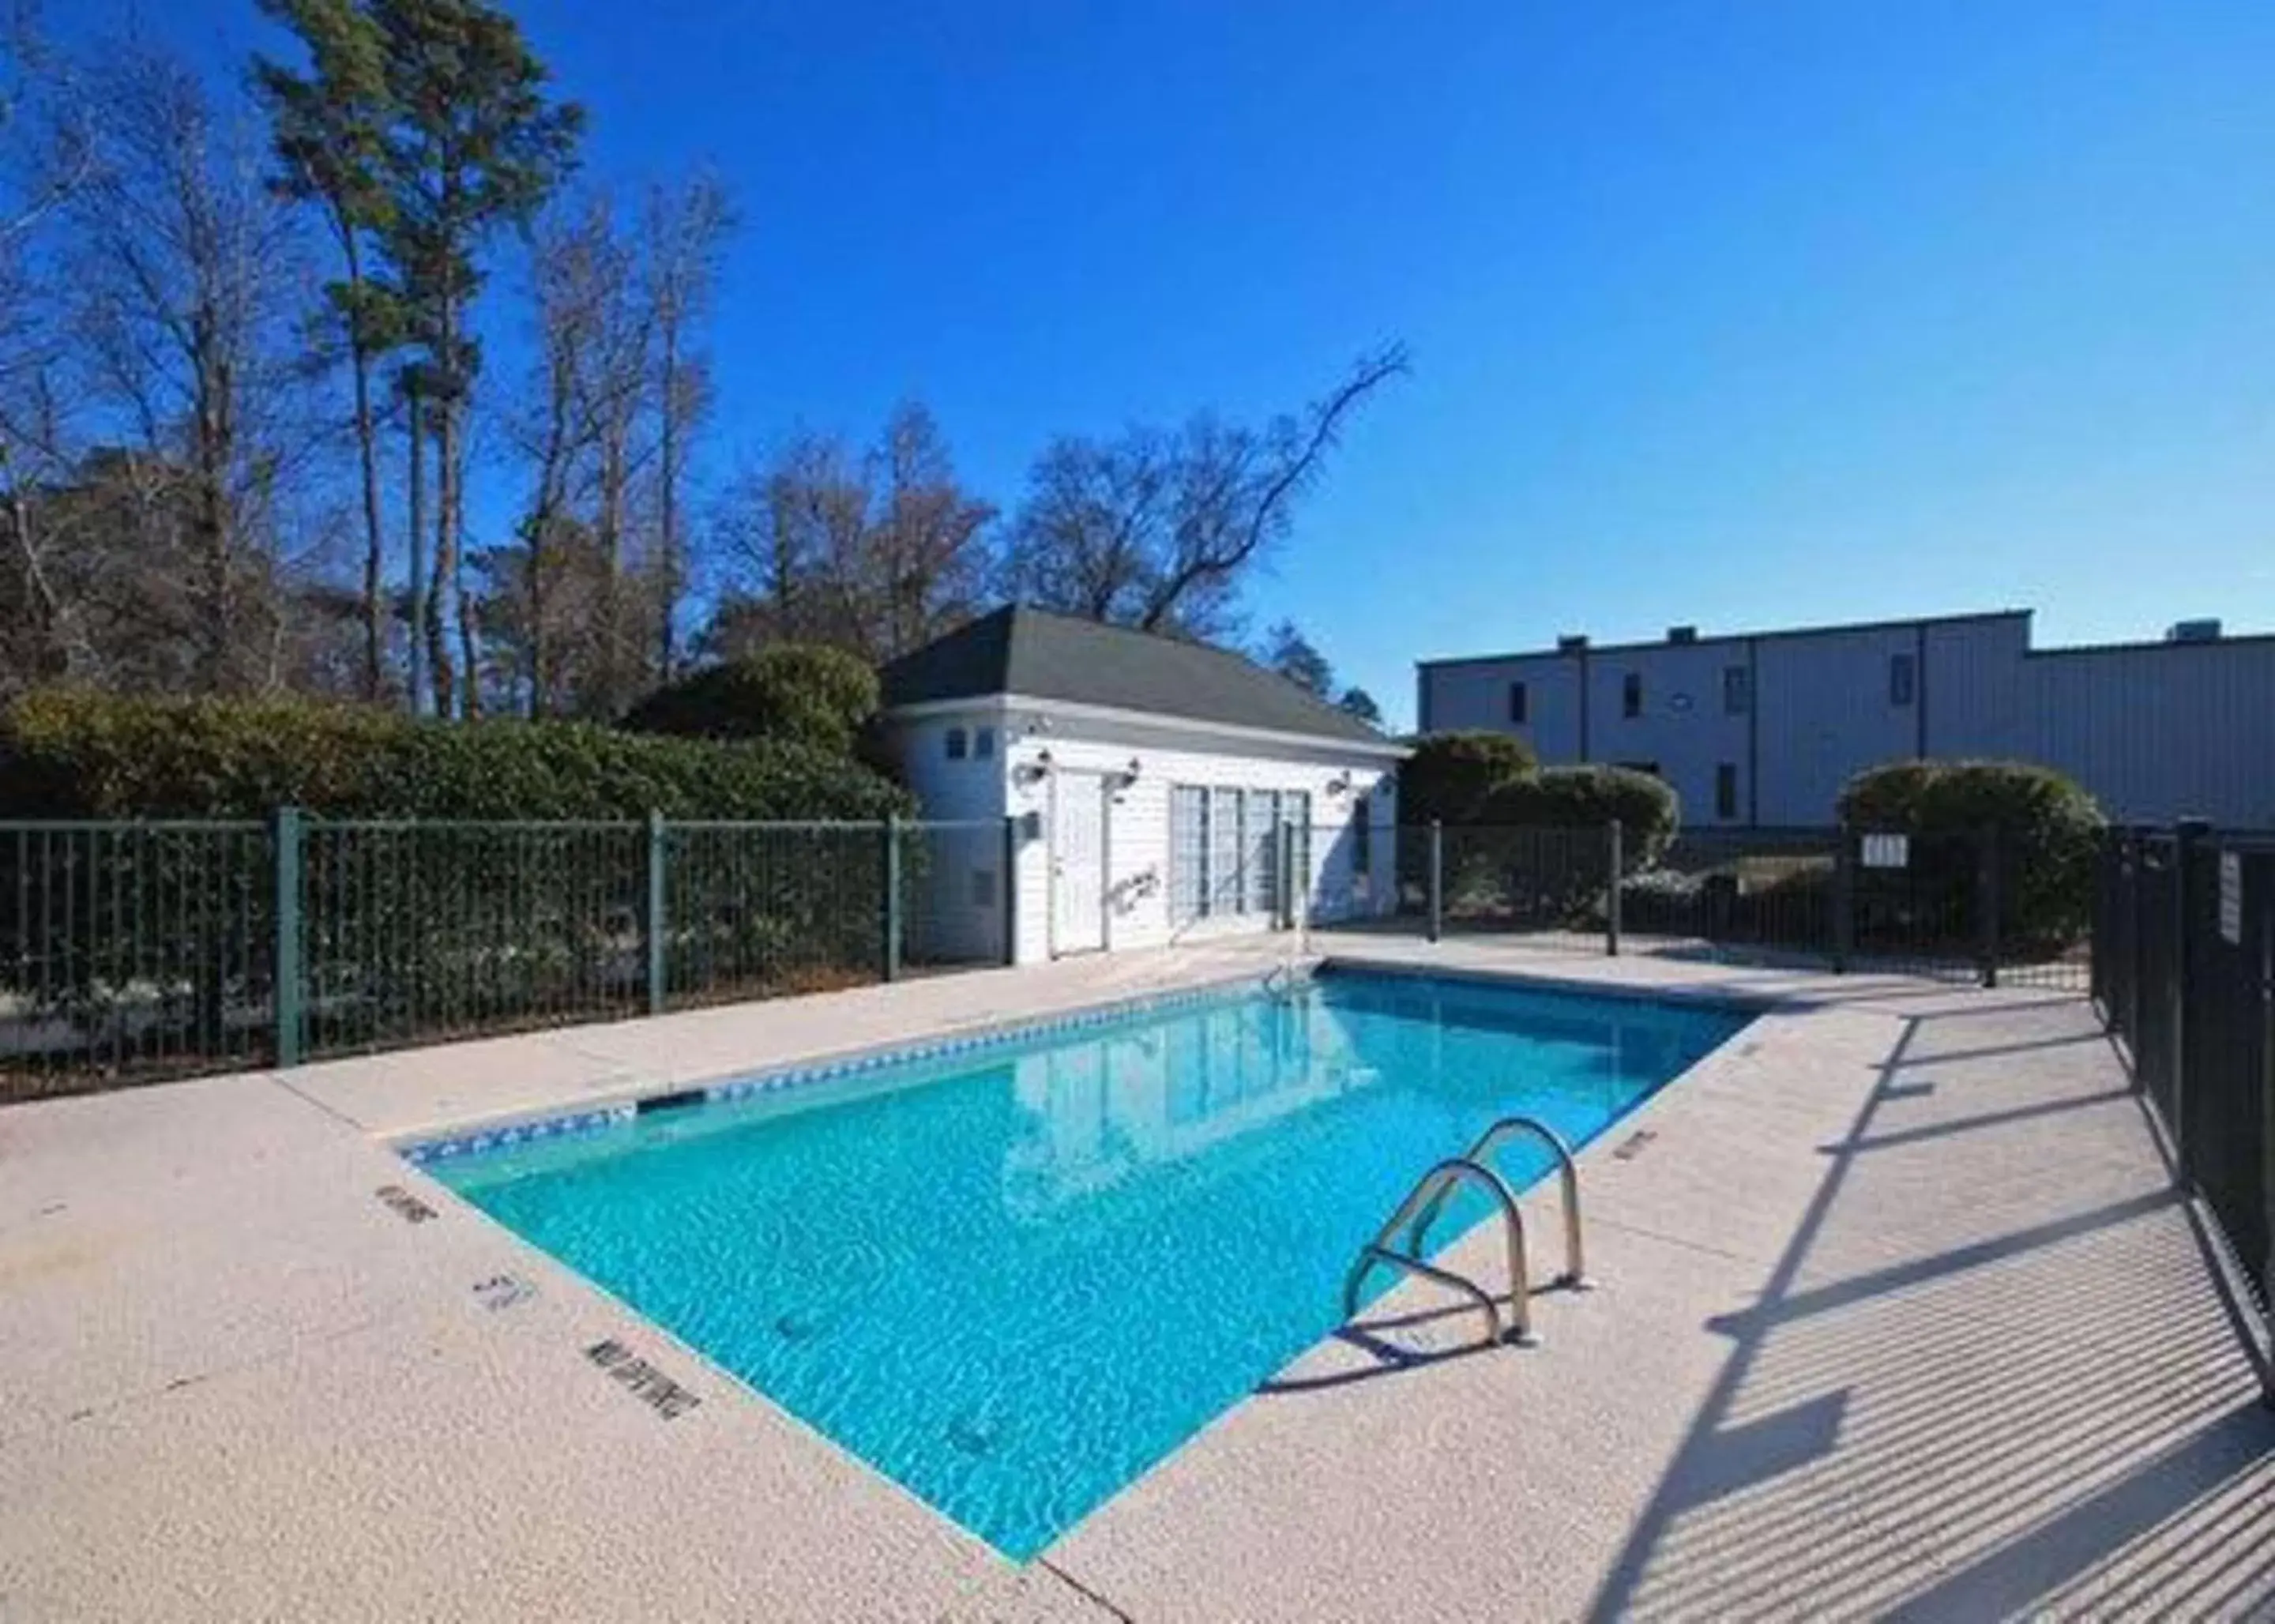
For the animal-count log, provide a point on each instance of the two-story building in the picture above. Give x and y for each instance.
(1762, 728)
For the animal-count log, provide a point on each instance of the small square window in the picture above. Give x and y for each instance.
(1516, 704)
(1631, 694)
(1903, 679)
(958, 744)
(983, 744)
(1738, 689)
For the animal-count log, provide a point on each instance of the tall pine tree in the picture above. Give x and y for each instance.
(473, 143)
(326, 127)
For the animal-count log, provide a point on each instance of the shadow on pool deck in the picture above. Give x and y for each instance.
(2080, 1438)
(1407, 1341)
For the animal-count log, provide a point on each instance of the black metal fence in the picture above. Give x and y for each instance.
(1924, 905)
(2184, 973)
(134, 952)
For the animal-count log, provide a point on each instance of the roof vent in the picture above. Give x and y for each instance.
(1682, 634)
(2194, 631)
(1571, 642)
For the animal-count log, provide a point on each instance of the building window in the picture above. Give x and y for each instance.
(1262, 809)
(1296, 806)
(1903, 678)
(958, 744)
(1738, 689)
(1631, 694)
(983, 744)
(1224, 848)
(1517, 708)
(1726, 790)
(1362, 838)
(1188, 854)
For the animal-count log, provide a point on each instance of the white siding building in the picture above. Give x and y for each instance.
(1147, 782)
(1761, 729)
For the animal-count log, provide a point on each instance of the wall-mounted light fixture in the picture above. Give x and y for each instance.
(1035, 771)
(1128, 775)
(1340, 784)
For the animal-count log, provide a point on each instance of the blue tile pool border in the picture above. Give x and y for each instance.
(832, 1069)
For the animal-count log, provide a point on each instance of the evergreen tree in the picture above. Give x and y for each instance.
(327, 128)
(472, 143)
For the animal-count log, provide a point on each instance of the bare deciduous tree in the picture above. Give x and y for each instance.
(190, 296)
(1156, 529)
(874, 555)
(683, 234)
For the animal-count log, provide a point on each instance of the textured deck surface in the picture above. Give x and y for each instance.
(1899, 1315)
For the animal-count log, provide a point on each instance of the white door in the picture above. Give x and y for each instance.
(1077, 863)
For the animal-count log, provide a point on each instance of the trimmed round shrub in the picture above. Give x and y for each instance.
(1590, 798)
(2047, 828)
(1449, 774)
(800, 693)
(79, 754)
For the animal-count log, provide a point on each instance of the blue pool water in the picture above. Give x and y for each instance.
(1015, 1279)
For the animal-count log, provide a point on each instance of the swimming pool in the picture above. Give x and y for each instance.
(1014, 1278)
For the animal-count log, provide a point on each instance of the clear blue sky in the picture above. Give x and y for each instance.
(1742, 314)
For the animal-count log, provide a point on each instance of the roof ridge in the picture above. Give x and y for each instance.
(1237, 656)
(1045, 653)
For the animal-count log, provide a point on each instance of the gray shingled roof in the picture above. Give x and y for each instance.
(1044, 656)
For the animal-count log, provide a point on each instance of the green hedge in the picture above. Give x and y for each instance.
(1449, 774)
(75, 754)
(799, 693)
(2048, 829)
(1590, 798)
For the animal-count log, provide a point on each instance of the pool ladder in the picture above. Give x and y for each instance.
(1427, 1200)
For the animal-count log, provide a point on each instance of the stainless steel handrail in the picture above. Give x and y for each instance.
(1372, 1254)
(1430, 1191)
(1576, 1273)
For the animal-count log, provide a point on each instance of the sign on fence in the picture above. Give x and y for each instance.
(1887, 850)
(2231, 898)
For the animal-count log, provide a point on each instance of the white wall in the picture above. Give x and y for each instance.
(955, 913)
(951, 791)
(1017, 784)
(1138, 879)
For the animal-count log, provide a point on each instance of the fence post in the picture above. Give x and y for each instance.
(659, 992)
(2133, 876)
(1616, 841)
(2265, 867)
(2187, 834)
(889, 969)
(1986, 905)
(1010, 890)
(1437, 879)
(286, 974)
(1844, 899)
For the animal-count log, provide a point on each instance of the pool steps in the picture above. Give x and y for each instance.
(1427, 1200)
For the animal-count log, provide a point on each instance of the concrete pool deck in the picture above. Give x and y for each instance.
(1900, 1315)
